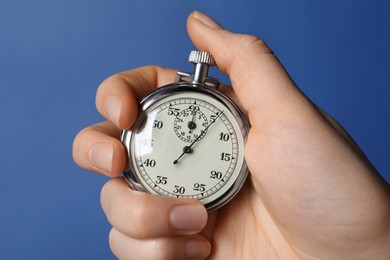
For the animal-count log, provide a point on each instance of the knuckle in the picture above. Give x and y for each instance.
(163, 249)
(136, 74)
(80, 147)
(255, 42)
(147, 216)
(76, 147)
(112, 241)
(113, 78)
(106, 195)
(105, 190)
(105, 88)
(128, 212)
(82, 133)
(139, 215)
(154, 68)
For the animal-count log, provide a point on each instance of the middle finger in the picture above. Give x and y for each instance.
(142, 215)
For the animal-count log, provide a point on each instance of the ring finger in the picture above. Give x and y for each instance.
(187, 247)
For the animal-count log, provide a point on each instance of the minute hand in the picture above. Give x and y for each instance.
(188, 148)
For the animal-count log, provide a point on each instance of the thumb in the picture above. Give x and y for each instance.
(311, 179)
(258, 78)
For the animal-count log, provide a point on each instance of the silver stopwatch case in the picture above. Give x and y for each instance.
(188, 140)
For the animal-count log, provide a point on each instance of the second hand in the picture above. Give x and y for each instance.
(187, 149)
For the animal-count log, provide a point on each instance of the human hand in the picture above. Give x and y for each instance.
(311, 194)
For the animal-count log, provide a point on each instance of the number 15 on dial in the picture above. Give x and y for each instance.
(188, 141)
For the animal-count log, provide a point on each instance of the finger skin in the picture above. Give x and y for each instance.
(178, 247)
(125, 90)
(117, 99)
(308, 174)
(102, 133)
(260, 81)
(143, 215)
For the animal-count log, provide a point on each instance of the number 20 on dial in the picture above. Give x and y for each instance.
(188, 141)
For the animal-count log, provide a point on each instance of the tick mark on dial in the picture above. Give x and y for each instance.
(187, 149)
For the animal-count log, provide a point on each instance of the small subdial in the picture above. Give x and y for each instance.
(190, 124)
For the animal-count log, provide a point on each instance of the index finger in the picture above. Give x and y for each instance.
(118, 96)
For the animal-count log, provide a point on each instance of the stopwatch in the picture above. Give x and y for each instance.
(188, 140)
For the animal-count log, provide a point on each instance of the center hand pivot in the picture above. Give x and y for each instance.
(187, 149)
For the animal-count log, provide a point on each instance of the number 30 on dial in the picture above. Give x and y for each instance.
(188, 142)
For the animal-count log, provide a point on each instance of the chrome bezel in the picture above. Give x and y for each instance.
(165, 91)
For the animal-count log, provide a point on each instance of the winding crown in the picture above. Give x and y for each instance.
(201, 57)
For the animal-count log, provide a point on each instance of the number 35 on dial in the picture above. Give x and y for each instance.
(188, 142)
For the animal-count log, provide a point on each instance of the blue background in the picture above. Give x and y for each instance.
(54, 54)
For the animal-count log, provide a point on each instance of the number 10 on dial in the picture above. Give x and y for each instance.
(188, 141)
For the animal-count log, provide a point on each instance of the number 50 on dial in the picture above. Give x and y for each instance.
(188, 142)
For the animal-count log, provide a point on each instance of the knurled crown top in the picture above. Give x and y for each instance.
(201, 57)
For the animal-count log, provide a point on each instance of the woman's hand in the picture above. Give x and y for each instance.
(312, 194)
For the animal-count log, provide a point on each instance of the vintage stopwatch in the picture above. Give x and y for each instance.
(188, 140)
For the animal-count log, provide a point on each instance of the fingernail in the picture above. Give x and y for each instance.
(100, 156)
(188, 217)
(113, 109)
(207, 20)
(196, 249)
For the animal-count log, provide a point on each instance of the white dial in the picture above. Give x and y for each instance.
(188, 140)
(188, 145)
(190, 124)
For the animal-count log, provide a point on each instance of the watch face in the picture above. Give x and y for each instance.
(189, 144)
